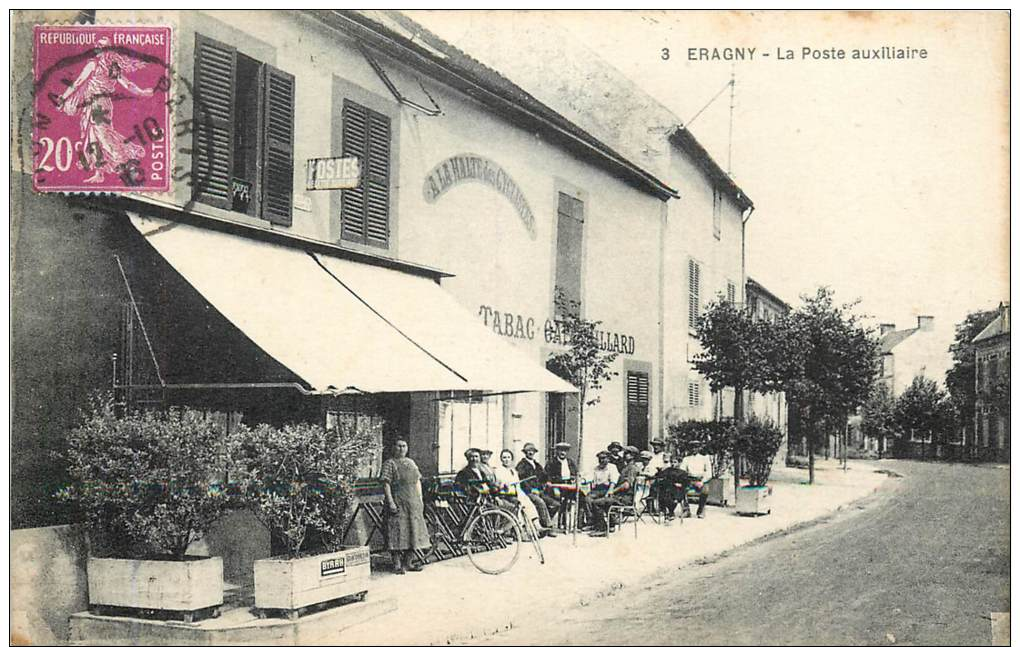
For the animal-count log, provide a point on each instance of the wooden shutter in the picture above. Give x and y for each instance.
(637, 409)
(278, 146)
(694, 293)
(213, 140)
(365, 211)
(731, 292)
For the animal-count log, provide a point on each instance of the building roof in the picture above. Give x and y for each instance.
(758, 287)
(998, 326)
(397, 35)
(892, 339)
(683, 139)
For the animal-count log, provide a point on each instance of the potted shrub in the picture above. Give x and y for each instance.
(757, 442)
(149, 483)
(713, 438)
(299, 479)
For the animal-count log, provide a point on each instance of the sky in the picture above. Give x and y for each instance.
(887, 180)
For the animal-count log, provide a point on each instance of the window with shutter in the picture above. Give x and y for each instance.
(693, 394)
(365, 211)
(213, 139)
(637, 408)
(731, 292)
(243, 141)
(693, 294)
(278, 149)
(569, 243)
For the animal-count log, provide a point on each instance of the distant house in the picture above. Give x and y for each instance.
(766, 306)
(990, 438)
(904, 355)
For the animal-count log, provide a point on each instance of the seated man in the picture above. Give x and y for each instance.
(473, 479)
(603, 479)
(561, 469)
(533, 481)
(620, 495)
(670, 486)
(698, 469)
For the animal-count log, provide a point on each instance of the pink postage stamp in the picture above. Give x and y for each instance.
(102, 108)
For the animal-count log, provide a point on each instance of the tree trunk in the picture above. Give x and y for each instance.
(811, 456)
(738, 417)
(577, 477)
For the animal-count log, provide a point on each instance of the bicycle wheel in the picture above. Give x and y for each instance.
(493, 541)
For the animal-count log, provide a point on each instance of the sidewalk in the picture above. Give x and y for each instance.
(451, 601)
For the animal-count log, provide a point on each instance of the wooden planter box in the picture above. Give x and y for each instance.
(185, 586)
(290, 584)
(754, 500)
(719, 490)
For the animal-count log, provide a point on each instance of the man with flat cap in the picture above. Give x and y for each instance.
(473, 478)
(561, 469)
(533, 481)
(615, 450)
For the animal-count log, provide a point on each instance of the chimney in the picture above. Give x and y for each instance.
(1004, 313)
(926, 323)
(885, 329)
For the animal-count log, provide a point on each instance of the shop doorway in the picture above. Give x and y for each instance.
(637, 409)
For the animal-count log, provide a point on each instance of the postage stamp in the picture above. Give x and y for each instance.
(102, 108)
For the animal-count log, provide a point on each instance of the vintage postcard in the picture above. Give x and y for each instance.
(509, 327)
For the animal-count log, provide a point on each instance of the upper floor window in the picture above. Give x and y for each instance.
(693, 293)
(243, 141)
(731, 292)
(717, 199)
(365, 211)
(569, 247)
(694, 393)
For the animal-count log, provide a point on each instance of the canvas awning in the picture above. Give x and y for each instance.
(341, 325)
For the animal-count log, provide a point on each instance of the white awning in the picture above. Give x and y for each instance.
(340, 324)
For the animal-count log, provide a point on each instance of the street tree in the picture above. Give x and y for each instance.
(877, 419)
(960, 377)
(585, 362)
(924, 411)
(732, 356)
(732, 353)
(823, 357)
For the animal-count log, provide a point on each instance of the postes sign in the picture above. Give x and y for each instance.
(326, 173)
(465, 168)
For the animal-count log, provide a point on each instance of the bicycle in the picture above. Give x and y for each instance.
(490, 534)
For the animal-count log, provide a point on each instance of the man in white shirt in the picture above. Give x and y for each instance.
(698, 468)
(658, 459)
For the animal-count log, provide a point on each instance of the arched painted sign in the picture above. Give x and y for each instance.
(466, 168)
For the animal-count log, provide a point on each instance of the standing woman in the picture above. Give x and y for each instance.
(405, 521)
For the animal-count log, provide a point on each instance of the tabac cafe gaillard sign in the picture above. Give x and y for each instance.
(509, 324)
(472, 168)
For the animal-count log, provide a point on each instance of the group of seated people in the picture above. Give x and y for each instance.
(622, 473)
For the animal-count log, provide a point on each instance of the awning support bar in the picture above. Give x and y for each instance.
(145, 333)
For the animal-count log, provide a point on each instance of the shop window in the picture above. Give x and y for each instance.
(693, 294)
(365, 210)
(569, 238)
(717, 200)
(367, 422)
(469, 421)
(243, 135)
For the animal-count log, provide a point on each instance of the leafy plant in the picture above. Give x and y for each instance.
(149, 482)
(301, 477)
(710, 437)
(877, 419)
(758, 441)
(924, 411)
(585, 363)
